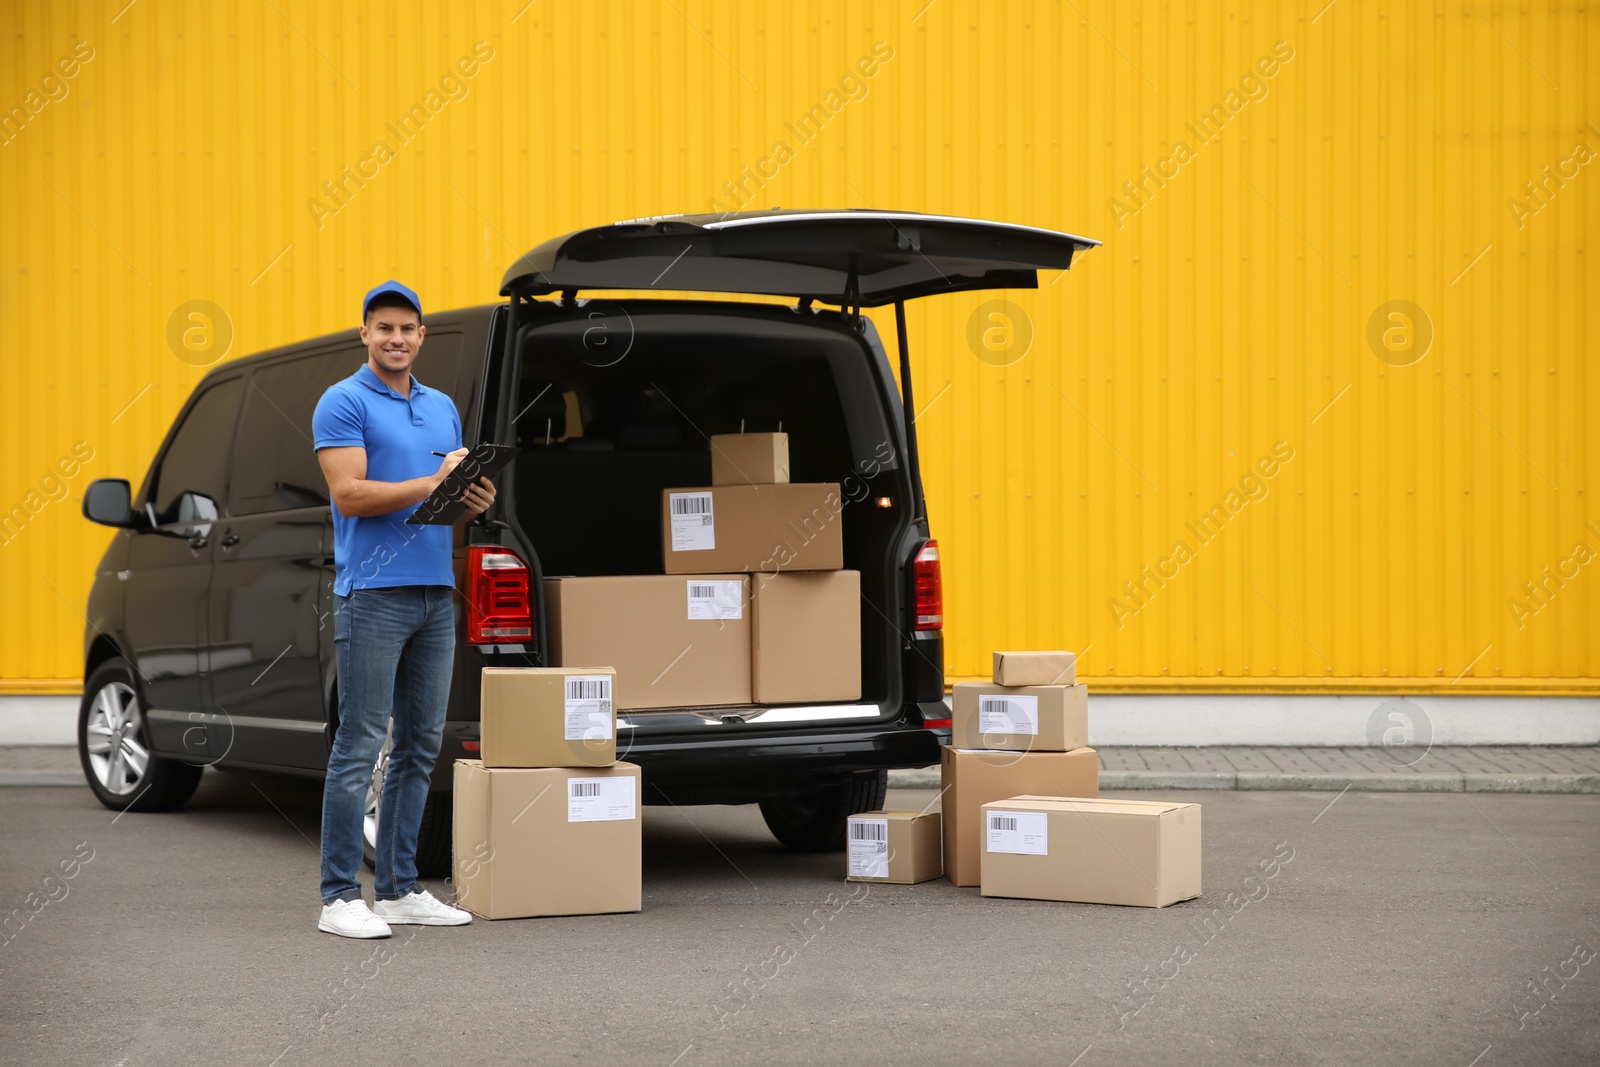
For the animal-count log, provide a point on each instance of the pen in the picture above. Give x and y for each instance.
(442, 455)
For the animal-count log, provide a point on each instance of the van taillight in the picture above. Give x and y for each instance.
(929, 588)
(499, 607)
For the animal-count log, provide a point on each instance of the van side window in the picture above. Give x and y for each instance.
(277, 465)
(196, 461)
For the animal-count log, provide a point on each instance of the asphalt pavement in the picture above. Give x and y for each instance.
(1455, 929)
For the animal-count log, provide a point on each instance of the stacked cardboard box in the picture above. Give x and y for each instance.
(1025, 733)
(806, 637)
(675, 640)
(754, 605)
(751, 517)
(787, 526)
(805, 631)
(1023, 816)
(547, 822)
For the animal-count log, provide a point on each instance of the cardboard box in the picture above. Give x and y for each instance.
(548, 717)
(1035, 668)
(1034, 718)
(749, 458)
(674, 641)
(550, 841)
(1137, 852)
(972, 779)
(898, 847)
(796, 526)
(806, 637)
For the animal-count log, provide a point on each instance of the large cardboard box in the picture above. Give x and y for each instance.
(749, 458)
(796, 526)
(1035, 668)
(1138, 852)
(674, 640)
(972, 779)
(806, 637)
(552, 841)
(548, 717)
(1034, 718)
(898, 847)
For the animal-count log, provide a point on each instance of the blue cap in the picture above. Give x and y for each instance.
(390, 286)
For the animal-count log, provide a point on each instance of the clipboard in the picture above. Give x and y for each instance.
(444, 505)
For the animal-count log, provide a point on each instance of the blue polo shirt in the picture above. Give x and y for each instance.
(400, 435)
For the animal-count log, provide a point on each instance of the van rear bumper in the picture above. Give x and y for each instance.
(739, 766)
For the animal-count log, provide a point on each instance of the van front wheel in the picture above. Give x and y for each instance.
(114, 747)
(814, 820)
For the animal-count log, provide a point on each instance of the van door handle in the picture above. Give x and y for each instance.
(230, 540)
(198, 541)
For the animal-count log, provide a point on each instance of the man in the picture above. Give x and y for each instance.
(378, 435)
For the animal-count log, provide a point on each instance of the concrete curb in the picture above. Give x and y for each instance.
(1531, 783)
(1166, 780)
(42, 778)
(1361, 783)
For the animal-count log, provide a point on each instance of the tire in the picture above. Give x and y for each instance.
(814, 821)
(114, 747)
(433, 836)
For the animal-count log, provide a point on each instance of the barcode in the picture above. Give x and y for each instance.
(585, 789)
(702, 592)
(587, 688)
(867, 831)
(691, 505)
(1002, 822)
(991, 705)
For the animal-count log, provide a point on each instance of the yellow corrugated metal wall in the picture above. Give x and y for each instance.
(1269, 178)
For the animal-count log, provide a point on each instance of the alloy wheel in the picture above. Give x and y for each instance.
(369, 822)
(115, 739)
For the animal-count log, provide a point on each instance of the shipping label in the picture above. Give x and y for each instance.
(694, 526)
(1008, 714)
(588, 707)
(716, 599)
(869, 848)
(601, 799)
(1025, 833)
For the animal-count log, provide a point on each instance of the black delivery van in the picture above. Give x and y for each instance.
(210, 632)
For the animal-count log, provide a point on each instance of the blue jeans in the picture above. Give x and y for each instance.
(396, 649)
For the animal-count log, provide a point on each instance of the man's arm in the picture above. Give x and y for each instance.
(353, 494)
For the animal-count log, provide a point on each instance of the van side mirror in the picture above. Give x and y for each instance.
(109, 501)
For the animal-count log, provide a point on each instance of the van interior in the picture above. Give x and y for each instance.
(613, 406)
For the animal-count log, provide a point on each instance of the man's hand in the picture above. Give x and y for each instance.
(479, 495)
(450, 462)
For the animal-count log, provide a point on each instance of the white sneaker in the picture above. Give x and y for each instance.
(421, 908)
(351, 918)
